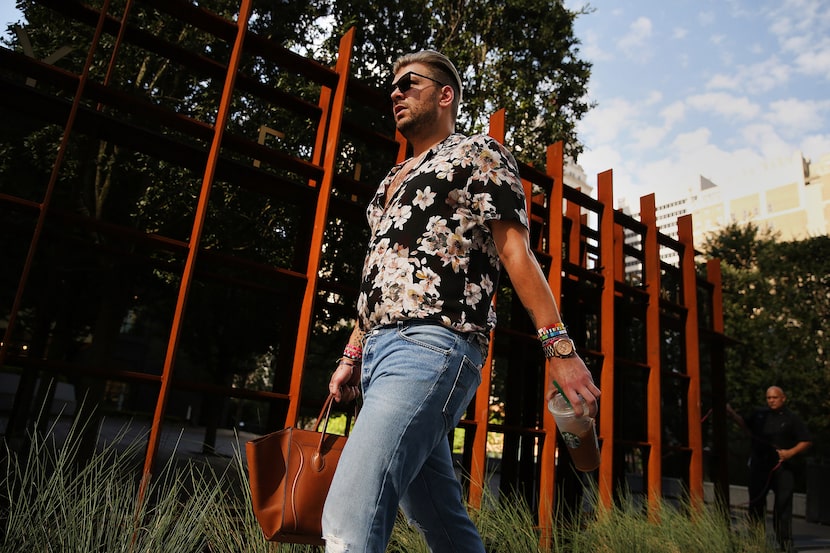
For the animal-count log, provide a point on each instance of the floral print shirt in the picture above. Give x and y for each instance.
(431, 255)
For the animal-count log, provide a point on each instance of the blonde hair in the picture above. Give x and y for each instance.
(445, 71)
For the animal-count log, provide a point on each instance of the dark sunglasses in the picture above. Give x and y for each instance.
(405, 82)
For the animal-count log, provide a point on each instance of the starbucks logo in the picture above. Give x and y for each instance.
(571, 440)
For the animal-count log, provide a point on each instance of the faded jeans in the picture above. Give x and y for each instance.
(417, 380)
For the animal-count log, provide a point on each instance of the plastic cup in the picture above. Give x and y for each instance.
(579, 433)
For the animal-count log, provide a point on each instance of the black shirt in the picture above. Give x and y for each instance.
(772, 430)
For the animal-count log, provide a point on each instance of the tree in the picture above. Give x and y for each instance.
(518, 54)
(85, 292)
(521, 55)
(776, 305)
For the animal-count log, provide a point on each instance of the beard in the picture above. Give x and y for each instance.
(420, 117)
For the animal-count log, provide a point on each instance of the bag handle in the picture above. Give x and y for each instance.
(318, 462)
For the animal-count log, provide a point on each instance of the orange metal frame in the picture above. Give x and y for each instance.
(560, 212)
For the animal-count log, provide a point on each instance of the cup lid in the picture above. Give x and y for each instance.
(559, 405)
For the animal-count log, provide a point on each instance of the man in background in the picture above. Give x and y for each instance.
(778, 435)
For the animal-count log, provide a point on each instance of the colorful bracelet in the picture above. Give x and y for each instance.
(353, 352)
(556, 338)
(552, 331)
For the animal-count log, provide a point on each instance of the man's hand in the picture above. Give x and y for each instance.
(345, 382)
(575, 379)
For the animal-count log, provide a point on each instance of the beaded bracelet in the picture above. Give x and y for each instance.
(353, 352)
(552, 331)
(555, 338)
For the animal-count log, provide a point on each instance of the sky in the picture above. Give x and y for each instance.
(712, 88)
(685, 89)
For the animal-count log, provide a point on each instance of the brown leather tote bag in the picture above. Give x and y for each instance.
(290, 472)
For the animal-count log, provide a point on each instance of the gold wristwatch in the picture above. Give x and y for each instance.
(562, 348)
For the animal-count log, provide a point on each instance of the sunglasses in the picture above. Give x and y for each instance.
(405, 82)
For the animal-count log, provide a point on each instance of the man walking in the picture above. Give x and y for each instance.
(443, 224)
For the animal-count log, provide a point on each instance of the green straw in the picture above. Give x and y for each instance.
(558, 387)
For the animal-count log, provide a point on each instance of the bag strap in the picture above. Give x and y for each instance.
(317, 459)
(325, 411)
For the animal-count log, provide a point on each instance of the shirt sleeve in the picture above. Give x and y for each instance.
(496, 185)
(800, 430)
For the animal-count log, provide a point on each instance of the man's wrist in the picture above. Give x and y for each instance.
(560, 347)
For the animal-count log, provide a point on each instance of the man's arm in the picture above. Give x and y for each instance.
(785, 454)
(345, 382)
(571, 374)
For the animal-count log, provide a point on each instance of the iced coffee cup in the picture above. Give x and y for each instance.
(579, 433)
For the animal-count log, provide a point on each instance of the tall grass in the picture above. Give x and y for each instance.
(50, 502)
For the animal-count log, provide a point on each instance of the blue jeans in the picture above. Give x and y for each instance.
(417, 380)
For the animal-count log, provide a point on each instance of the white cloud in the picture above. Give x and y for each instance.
(591, 50)
(802, 28)
(673, 113)
(799, 117)
(607, 121)
(692, 141)
(654, 97)
(815, 146)
(706, 18)
(754, 78)
(648, 138)
(815, 60)
(764, 138)
(726, 105)
(663, 129)
(634, 42)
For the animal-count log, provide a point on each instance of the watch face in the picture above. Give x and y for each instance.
(564, 347)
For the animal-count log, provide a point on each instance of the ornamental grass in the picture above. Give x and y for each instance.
(51, 502)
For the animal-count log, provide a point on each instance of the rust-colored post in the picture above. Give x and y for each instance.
(117, 46)
(194, 242)
(720, 476)
(478, 468)
(651, 278)
(713, 275)
(320, 218)
(605, 195)
(575, 241)
(322, 127)
(481, 416)
(619, 253)
(498, 125)
(692, 332)
(402, 144)
(554, 163)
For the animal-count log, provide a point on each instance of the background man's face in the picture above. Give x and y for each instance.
(775, 399)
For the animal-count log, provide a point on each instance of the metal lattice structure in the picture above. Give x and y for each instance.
(652, 334)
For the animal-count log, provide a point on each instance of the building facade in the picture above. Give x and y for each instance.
(790, 196)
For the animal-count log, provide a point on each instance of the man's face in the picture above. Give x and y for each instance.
(775, 399)
(417, 105)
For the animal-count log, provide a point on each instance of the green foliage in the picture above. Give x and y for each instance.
(518, 54)
(52, 502)
(628, 527)
(776, 307)
(521, 55)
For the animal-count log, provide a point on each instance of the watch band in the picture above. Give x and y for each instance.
(549, 348)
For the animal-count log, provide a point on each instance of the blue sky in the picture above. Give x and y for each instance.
(685, 88)
(708, 88)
